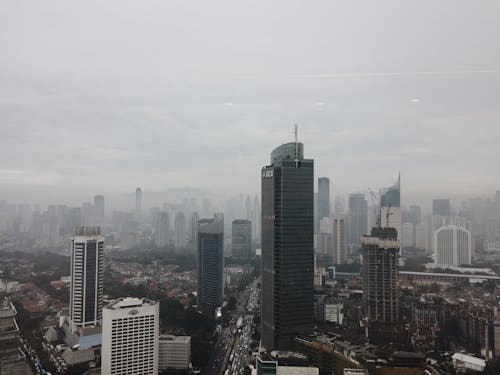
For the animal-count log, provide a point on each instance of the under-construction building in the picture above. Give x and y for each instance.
(380, 276)
(12, 358)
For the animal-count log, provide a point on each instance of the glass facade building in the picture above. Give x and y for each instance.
(210, 265)
(287, 247)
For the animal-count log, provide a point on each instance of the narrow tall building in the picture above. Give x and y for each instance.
(130, 333)
(138, 202)
(380, 251)
(210, 265)
(161, 228)
(358, 219)
(339, 240)
(242, 239)
(287, 247)
(323, 198)
(87, 272)
(180, 229)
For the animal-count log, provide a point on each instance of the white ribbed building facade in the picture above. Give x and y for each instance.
(452, 246)
(130, 332)
(87, 272)
(174, 352)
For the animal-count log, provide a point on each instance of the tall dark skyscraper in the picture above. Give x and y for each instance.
(323, 198)
(357, 219)
(287, 247)
(441, 207)
(210, 265)
(87, 273)
(242, 239)
(380, 275)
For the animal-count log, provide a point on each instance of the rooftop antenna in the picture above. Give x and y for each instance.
(296, 149)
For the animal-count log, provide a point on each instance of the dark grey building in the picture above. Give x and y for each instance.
(242, 239)
(441, 207)
(87, 273)
(287, 247)
(380, 276)
(210, 265)
(323, 198)
(357, 219)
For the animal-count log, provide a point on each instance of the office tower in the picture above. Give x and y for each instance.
(193, 228)
(408, 235)
(421, 236)
(324, 239)
(339, 239)
(242, 239)
(99, 208)
(160, 228)
(315, 213)
(130, 331)
(380, 252)
(358, 219)
(210, 265)
(287, 247)
(88, 214)
(87, 271)
(390, 207)
(138, 202)
(257, 219)
(180, 229)
(497, 204)
(12, 358)
(452, 246)
(248, 208)
(323, 198)
(174, 352)
(72, 220)
(441, 207)
(415, 214)
(207, 207)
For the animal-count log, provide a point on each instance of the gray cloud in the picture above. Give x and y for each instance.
(105, 96)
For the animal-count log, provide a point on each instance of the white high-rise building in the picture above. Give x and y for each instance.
(174, 352)
(87, 272)
(452, 246)
(130, 331)
(160, 228)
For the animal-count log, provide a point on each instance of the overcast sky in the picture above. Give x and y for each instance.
(103, 96)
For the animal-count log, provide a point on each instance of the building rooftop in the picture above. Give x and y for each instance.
(469, 359)
(7, 309)
(293, 370)
(125, 303)
(177, 339)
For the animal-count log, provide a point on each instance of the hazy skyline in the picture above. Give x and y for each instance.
(103, 97)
